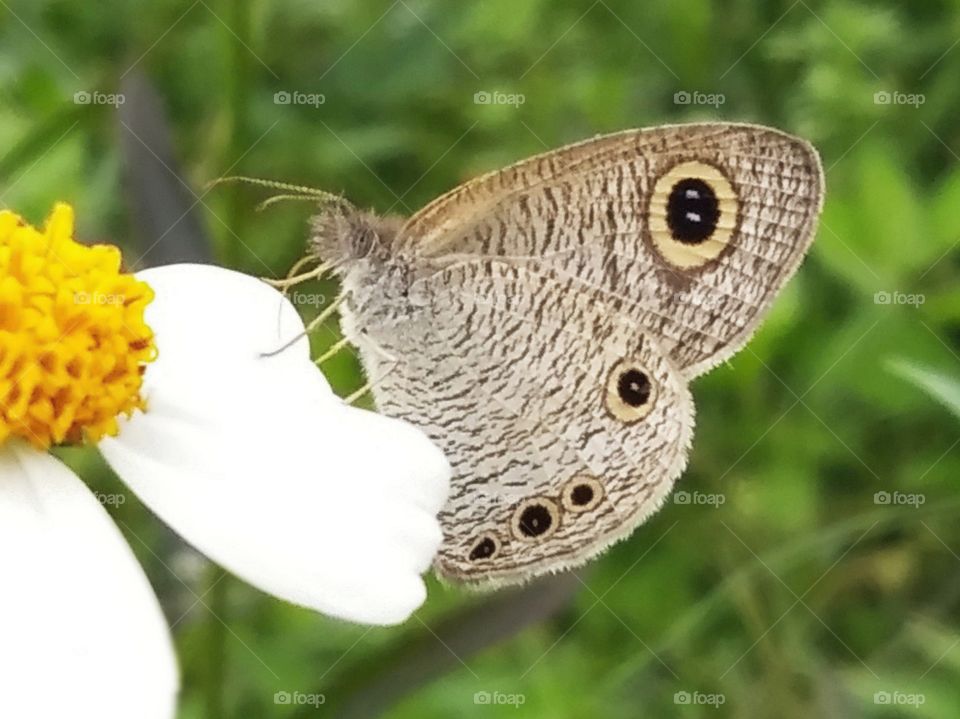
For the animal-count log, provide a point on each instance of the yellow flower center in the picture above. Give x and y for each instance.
(73, 342)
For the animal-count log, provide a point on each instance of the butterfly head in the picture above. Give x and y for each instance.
(344, 236)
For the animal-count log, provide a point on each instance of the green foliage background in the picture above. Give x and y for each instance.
(800, 595)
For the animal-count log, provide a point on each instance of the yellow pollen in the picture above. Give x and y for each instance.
(73, 342)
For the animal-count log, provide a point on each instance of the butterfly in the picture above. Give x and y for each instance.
(542, 323)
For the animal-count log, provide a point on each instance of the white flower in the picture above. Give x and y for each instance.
(251, 459)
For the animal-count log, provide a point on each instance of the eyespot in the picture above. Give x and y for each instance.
(487, 546)
(630, 393)
(536, 519)
(692, 213)
(582, 493)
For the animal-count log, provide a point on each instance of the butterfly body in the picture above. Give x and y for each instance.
(541, 324)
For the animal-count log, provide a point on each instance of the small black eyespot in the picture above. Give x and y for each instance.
(535, 520)
(692, 211)
(581, 495)
(633, 387)
(484, 549)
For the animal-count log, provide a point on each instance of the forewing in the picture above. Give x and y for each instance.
(603, 214)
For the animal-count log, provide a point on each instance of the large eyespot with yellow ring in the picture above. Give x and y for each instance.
(487, 546)
(582, 493)
(630, 393)
(692, 214)
(535, 519)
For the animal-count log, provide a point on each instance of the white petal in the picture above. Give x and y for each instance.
(254, 461)
(81, 633)
(209, 319)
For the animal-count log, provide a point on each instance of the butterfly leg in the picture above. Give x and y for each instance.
(333, 350)
(354, 396)
(316, 322)
(292, 279)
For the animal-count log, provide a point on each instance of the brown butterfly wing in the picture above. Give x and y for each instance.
(598, 211)
(519, 376)
(565, 303)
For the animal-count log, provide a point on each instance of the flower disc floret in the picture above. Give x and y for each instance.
(73, 340)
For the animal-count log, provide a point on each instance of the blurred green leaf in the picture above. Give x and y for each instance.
(942, 387)
(798, 432)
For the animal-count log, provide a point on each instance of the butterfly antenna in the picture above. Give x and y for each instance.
(275, 185)
(281, 198)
